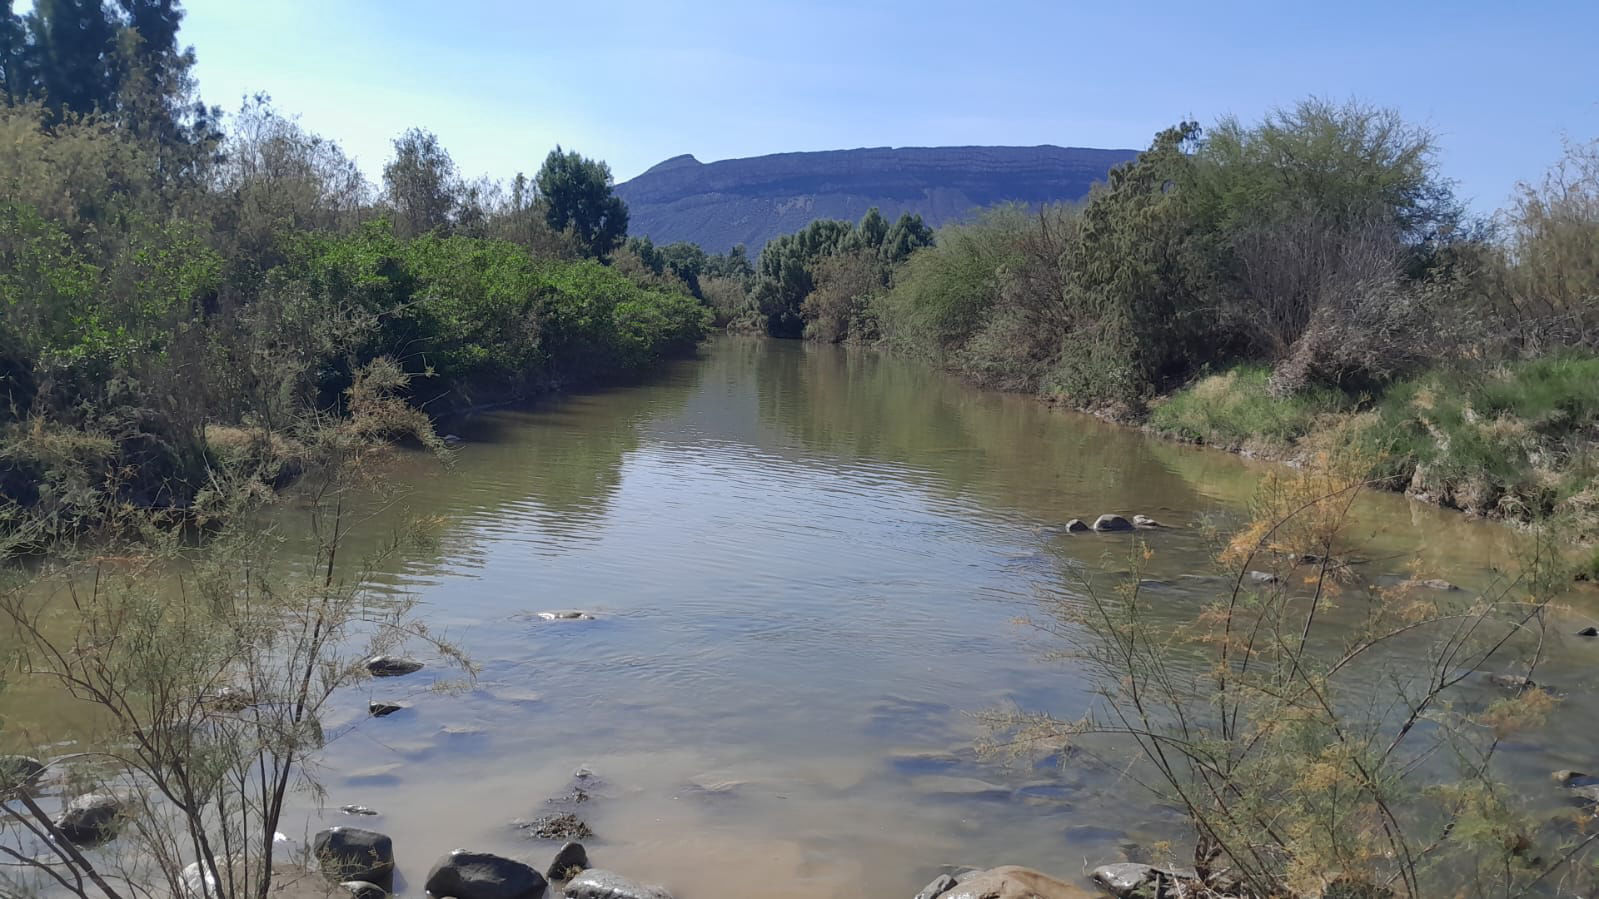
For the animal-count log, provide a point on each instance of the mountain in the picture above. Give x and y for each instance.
(750, 201)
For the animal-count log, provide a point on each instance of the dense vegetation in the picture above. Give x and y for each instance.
(169, 275)
(1279, 287)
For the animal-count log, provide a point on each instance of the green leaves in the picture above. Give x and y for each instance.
(576, 192)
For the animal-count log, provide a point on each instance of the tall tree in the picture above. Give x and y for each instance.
(14, 77)
(422, 183)
(577, 195)
(72, 43)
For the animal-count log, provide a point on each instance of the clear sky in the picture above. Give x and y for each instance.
(635, 82)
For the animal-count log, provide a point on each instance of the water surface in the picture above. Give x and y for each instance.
(808, 565)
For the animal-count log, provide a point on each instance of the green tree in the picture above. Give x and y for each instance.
(576, 192)
(14, 76)
(72, 43)
(422, 184)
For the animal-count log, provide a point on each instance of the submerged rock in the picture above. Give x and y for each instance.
(362, 889)
(1013, 882)
(1144, 521)
(566, 615)
(353, 853)
(1512, 681)
(379, 709)
(1077, 526)
(483, 875)
(357, 810)
(563, 826)
(571, 861)
(1262, 577)
(91, 818)
(1112, 523)
(392, 666)
(1589, 631)
(1429, 584)
(598, 884)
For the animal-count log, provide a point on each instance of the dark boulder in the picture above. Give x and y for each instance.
(380, 709)
(571, 861)
(392, 666)
(1112, 523)
(599, 884)
(1144, 521)
(91, 818)
(482, 875)
(1077, 526)
(1589, 631)
(19, 772)
(353, 853)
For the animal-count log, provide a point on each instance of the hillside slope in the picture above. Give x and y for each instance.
(750, 201)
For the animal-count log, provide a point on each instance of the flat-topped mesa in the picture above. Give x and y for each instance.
(749, 201)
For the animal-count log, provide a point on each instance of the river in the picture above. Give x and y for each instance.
(808, 565)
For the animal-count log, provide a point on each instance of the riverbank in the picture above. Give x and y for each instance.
(1517, 441)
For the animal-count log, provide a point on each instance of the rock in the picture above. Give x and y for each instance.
(362, 889)
(1077, 526)
(19, 772)
(1012, 882)
(392, 666)
(1144, 521)
(1585, 794)
(1124, 878)
(597, 884)
(1262, 577)
(357, 810)
(91, 818)
(197, 882)
(452, 440)
(351, 853)
(231, 699)
(379, 709)
(1512, 681)
(566, 615)
(482, 875)
(1574, 779)
(1589, 631)
(1112, 523)
(568, 863)
(1429, 583)
(941, 884)
(564, 826)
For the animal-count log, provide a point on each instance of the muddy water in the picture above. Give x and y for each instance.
(807, 567)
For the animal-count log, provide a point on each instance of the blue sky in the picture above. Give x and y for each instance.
(633, 82)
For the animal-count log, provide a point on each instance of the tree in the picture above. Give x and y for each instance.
(422, 183)
(72, 43)
(577, 194)
(14, 77)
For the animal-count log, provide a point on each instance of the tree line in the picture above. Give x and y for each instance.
(169, 274)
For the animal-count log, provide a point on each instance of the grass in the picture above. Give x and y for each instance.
(1234, 410)
(1515, 440)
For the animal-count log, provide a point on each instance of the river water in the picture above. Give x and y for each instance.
(808, 566)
